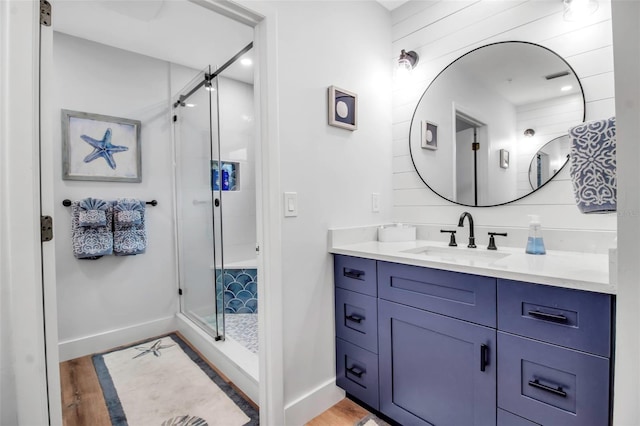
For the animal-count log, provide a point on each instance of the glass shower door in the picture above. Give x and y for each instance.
(198, 200)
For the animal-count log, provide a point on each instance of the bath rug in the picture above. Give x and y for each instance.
(371, 420)
(164, 382)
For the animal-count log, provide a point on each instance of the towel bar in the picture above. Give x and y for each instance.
(67, 203)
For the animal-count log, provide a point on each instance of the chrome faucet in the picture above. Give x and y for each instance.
(472, 238)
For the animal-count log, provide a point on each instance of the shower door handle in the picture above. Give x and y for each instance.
(216, 202)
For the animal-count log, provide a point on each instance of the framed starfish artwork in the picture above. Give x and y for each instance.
(100, 147)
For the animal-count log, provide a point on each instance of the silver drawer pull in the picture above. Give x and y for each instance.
(548, 317)
(536, 384)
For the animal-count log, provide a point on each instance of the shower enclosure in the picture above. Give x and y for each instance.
(216, 199)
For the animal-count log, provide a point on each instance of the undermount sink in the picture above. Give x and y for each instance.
(458, 254)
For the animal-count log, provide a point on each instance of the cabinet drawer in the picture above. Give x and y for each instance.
(552, 385)
(357, 372)
(357, 319)
(572, 318)
(506, 418)
(355, 274)
(463, 296)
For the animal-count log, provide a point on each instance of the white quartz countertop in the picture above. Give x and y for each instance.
(583, 271)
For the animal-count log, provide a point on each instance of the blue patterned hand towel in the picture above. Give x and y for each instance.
(93, 212)
(593, 165)
(129, 233)
(91, 233)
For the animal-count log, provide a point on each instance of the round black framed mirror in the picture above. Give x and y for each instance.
(477, 126)
(547, 162)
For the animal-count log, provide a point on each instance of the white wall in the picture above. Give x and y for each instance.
(115, 293)
(441, 32)
(237, 136)
(334, 171)
(626, 34)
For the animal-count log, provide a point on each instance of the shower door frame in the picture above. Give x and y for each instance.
(217, 241)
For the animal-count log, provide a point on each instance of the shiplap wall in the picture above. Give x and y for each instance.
(442, 31)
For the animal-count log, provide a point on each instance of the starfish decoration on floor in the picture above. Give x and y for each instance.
(153, 349)
(103, 148)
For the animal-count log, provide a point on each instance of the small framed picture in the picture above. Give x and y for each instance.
(343, 108)
(100, 148)
(429, 135)
(504, 158)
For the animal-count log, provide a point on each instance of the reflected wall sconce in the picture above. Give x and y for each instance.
(529, 133)
(407, 61)
(576, 10)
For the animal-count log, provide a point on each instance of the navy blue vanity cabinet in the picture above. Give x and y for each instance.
(506, 418)
(434, 347)
(356, 316)
(554, 362)
(437, 340)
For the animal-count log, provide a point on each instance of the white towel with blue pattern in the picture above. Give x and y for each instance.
(129, 233)
(91, 222)
(593, 165)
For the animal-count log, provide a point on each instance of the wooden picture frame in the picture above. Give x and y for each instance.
(99, 147)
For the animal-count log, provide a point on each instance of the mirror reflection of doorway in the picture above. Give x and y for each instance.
(471, 158)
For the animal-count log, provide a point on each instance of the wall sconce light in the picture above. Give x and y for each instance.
(407, 61)
(529, 133)
(575, 10)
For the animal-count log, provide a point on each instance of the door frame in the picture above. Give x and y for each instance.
(21, 249)
(36, 389)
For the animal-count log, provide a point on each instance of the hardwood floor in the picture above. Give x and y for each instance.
(82, 400)
(344, 413)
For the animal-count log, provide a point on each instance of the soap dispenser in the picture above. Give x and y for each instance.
(535, 244)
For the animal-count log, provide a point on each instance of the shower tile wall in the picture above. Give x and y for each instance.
(240, 290)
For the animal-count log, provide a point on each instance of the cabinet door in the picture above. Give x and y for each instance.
(435, 370)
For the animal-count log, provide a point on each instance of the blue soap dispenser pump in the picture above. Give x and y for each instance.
(535, 244)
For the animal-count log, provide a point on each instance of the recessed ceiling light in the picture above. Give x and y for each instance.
(566, 88)
(246, 62)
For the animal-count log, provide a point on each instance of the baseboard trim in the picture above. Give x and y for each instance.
(305, 408)
(233, 360)
(88, 345)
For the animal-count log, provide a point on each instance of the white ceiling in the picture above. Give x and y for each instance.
(391, 4)
(517, 71)
(176, 31)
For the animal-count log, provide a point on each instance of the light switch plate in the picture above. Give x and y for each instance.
(290, 204)
(375, 202)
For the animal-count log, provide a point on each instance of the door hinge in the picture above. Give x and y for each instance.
(180, 292)
(257, 249)
(45, 13)
(46, 228)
